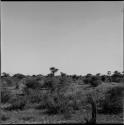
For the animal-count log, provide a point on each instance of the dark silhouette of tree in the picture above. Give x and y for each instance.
(53, 70)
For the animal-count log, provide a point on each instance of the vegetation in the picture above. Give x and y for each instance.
(63, 94)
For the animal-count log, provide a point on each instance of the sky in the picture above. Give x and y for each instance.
(75, 37)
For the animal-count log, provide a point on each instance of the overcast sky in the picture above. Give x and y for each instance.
(75, 37)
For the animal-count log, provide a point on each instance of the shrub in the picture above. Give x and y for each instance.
(57, 104)
(19, 76)
(33, 96)
(17, 103)
(95, 81)
(51, 83)
(4, 116)
(32, 83)
(5, 95)
(7, 81)
(112, 103)
(55, 100)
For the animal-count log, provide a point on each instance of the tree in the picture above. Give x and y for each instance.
(53, 70)
(117, 76)
(117, 73)
(109, 76)
(109, 73)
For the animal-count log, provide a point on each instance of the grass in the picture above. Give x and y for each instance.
(33, 113)
(37, 116)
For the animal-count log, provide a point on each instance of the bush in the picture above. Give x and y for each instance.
(92, 80)
(7, 81)
(57, 104)
(5, 95)
(3, 116)
(51, 83)
(17, 103)
(33, 84)
(95, 81)
(33, 96)
(55, 101)
(112, 103)
(19, 76)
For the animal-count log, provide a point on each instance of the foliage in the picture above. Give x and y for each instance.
(7, 81)
(19, 76)
(55, 100)
(32, 83)
(93, 80)
(5, 95)
(5, 74)
(116, 77)
(56, 104)
(3, 116)
(112, 101)
(17, 103)
(33, 96)
(53, 70)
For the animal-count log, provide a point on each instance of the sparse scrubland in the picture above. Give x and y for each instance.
(62, 98)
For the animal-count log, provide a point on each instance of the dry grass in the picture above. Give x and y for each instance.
(31, 115)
